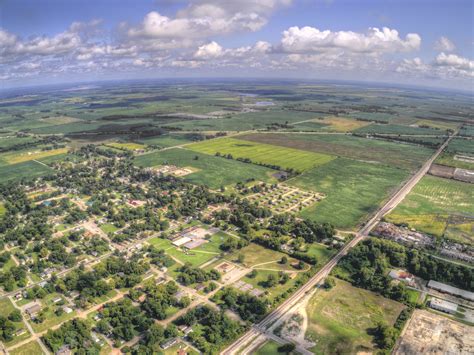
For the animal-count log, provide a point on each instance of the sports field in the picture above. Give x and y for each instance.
(400, 155)
(340, 318)
(353, 189)
(434, 203)
(212, 171)
(263, 153)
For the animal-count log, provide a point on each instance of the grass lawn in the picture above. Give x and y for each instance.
(371, 150)
(160, 243)
(31, 348)
(414, 295)
(270, 347)
(7, 307)
(2, 209)
(259, 282)
(108, 228)
(321, 252)
(339, 318)
(175, 349)
(263, 153)
(254, 255)
(213, 172)
(429, 207)
(353, 189)
(195, 257)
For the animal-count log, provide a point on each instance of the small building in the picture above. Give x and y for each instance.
(67, 310)
(33, 310)
(181, 241)
(169, 343)
(64, 351)
(19, 296)
(20, 331)
(438, 286)
(443, 306)
(57, 300)
(402, 275)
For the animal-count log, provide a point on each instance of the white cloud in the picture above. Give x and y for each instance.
(208, 51)
(312, 40)
(444, 44)
(454, 61)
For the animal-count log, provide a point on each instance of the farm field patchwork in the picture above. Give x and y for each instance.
(341, 124)
(212, 171)
(286, 158)
(167, 140)
(23, 156)
(435, 204)
(352, 190)
(126, 146)
(339, 318)
(399, 129)
(400, 155)
(26, 169)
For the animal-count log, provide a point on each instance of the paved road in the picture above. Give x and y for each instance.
(258, 329)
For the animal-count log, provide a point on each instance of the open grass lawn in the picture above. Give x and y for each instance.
(160, 243)
(433, 202)
(321, 252)
(353, 189)
(22, 156)
(31, 348)
(213, 172)
(263, 153)
(271, 292)
(195, 256)
(2, 209)
(270, 347)
(263, 258)
(108, 228)
(175, 350)
(339, 318)
(6, 307)
(388, 153)
(28, 169)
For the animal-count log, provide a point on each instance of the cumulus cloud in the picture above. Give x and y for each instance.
(454, 61)
(444, 66)
(312, 40)
(444, 44)
(210, 50)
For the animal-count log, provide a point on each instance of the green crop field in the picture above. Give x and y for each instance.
(353, 189)
(401, 155)
(462, 145)
(436, 203)
(28, 169)
(170, 140)
(448, 159)
(212, 171)
(263, 153)
(340, 318)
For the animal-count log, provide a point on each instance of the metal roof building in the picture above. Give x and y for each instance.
(451, 290)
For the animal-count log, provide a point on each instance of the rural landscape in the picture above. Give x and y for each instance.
(252, 177)
(158, 218)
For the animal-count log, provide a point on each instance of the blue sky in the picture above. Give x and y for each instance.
(417, 42)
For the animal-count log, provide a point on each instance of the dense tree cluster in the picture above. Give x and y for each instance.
(76, 334)
(189, 274)
(249, 307)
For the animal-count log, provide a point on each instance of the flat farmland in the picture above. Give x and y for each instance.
(341, 124)
(245, 121)
(353, 189)
(22, 156)
(213, 172)
(166, 140)
(399, 129)
(434, 203)
(461, 145)
(394, 154)
(263, 153)
(28, 169)
(339, 319)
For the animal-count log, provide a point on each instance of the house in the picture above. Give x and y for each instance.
(57, 300)
(19, 296)
(33, 310)
(443, 306)
(169, 343)
(185, 329)
(67, 310)
(402, 275)
(20, 331)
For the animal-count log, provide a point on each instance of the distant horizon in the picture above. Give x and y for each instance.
(187, 80)
(426, 43)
